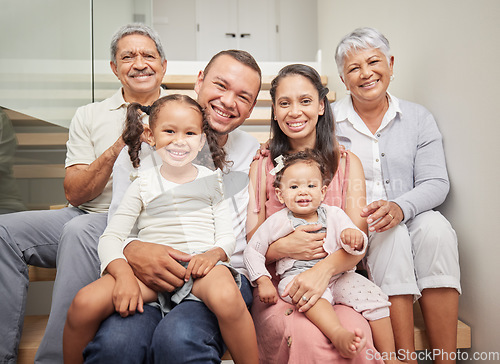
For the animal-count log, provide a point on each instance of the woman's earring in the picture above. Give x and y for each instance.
(392, 77)
(347, 92)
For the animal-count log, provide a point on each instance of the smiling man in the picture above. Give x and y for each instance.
(227, 90)
(44, 238)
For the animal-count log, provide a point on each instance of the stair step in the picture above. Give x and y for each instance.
(34, 328)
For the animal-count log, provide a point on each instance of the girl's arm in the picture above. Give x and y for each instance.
(119, 227)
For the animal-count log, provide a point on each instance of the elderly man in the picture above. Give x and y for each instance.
(55, 238)
(227, 89)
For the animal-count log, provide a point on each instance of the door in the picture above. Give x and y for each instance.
(236, 24)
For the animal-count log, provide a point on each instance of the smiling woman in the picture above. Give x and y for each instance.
(301, 120)
(401, 150)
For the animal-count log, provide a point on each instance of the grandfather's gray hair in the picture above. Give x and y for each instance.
(361, 39)
(135, 28)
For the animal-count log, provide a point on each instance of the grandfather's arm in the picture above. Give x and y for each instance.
(84, 182)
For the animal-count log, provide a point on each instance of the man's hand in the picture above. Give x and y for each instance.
(156, 265)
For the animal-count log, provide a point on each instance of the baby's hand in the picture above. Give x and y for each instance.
(353, 238)
(201, 264)
(266, 291)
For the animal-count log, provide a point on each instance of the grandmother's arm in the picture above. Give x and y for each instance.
(431, 183)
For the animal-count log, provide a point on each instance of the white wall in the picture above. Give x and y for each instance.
(446, 58)
(175, 21)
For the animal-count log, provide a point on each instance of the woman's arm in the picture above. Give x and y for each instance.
(356, 192)
(256, 218)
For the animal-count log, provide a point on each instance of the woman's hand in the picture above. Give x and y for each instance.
(301, 244)
(308, 287)
(382, 215)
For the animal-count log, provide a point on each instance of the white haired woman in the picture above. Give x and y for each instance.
(413, 250)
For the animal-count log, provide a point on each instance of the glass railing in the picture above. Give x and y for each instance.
(54, 58)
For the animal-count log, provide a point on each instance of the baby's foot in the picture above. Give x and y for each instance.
(349, 344)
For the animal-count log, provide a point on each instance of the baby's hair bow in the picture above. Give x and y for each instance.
(279, 165)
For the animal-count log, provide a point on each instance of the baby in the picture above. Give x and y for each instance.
(300, 186)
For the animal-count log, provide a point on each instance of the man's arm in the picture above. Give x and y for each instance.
(84, 182)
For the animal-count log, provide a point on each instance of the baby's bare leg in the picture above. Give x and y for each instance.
(349, 344)
(219, 292)
(91, 305)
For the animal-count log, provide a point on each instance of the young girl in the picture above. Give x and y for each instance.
(301, 186)
(302, 119)
(178, 204)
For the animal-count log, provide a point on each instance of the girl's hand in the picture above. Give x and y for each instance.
(308, 287)
(201, 264)
(382, 215)
(353, 238)
(266, 290)
(127, 297)
(301, 244)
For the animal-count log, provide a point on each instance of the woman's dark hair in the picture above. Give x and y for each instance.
(326, 143)
(309, 156)
(134, 129)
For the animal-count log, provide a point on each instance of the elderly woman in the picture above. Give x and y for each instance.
(413, 249)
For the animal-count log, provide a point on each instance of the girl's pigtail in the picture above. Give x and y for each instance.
(218, 154)
(132, 133)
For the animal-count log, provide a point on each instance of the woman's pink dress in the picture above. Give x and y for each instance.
(287, 336)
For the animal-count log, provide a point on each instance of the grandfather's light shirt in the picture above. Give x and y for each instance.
(403, 160)
(93, 129)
